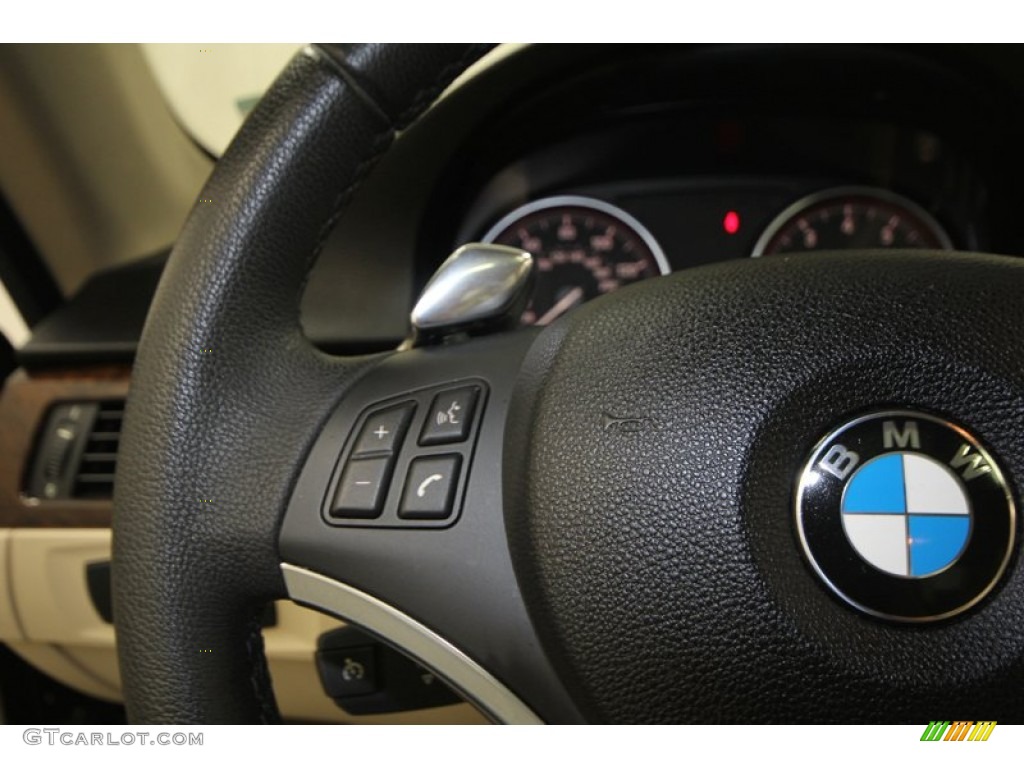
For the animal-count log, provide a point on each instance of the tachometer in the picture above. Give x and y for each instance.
(582, 248)
(851, 217)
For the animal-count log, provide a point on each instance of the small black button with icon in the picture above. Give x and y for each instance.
(450, 416)
(361, 490)
(430, 487)
(348, 671)
(383, 430)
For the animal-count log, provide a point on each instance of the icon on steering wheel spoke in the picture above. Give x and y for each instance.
(352, 670)
(905, 516)
(423, 487)
(450, 415)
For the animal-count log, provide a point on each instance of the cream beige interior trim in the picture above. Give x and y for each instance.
(38, 602)
(12, 324)
(9, 629)
(51, 597)
(415, 639)
(47, 618)
(227, 74)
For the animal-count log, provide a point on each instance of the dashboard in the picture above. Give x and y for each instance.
(734, 153)
(695, 155)
(611, 164)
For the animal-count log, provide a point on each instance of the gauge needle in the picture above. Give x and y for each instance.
(563, 305)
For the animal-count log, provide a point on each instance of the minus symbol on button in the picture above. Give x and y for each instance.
(362, 482)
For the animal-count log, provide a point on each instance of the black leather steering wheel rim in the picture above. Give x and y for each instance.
(223, 354)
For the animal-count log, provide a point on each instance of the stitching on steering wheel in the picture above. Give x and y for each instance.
(259, 676)
(383, 140)
(426, 96)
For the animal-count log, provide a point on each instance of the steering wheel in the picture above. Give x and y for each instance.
(610, 533)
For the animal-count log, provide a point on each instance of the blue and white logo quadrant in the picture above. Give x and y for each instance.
(906, 514)
(881, 540)
(935, 542)
(931, 488)
(877, 487)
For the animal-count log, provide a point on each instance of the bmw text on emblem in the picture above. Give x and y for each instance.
(905, 516)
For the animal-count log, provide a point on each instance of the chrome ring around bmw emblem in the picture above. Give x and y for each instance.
(905, 516)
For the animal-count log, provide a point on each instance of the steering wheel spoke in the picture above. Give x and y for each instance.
(396, 523)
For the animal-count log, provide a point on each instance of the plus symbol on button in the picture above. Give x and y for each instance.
(380, 432)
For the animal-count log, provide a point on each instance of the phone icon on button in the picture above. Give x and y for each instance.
(422, 490)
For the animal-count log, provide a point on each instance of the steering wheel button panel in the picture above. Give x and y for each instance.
(450, 415)
(429, 487)
(360, 492)
(406, 462)
(384, 430)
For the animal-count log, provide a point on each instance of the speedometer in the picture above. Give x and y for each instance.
(851, 217)
(582, 248)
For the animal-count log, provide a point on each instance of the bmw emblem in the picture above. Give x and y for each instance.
(905, 516)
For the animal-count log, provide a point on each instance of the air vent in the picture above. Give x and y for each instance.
(95, 476)
(77, 451)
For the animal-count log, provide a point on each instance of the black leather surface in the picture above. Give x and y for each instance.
(661, 565)
(102, 322)
(227, 395)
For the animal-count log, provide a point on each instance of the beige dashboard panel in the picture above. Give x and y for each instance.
(47, 569)
(51, 623)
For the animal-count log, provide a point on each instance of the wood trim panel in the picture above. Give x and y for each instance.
(25, 401)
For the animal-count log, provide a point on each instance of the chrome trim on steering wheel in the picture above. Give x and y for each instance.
(465, 675)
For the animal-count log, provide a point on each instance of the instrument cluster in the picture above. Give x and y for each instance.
(673, 158)
(584, 246)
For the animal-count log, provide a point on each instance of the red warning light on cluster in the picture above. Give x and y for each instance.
(731, 223)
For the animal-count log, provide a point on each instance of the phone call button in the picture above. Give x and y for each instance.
(430, 487)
